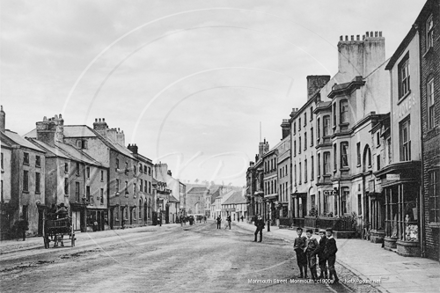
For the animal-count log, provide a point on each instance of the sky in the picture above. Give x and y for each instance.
(189, 81)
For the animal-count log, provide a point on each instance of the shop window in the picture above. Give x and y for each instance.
(430, 103)
(433, 191)
(405, 140)
(404, 77)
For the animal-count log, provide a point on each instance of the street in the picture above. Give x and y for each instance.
(170, 258)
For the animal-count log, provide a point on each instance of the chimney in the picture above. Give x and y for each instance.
(50, 130)
(360, 57)
(100, 126)
(2, 119)
(133, 148)
(120, 137)
(285, 128)
(315, 83)
(170, 173)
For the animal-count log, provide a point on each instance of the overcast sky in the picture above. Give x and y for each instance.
(188, 81)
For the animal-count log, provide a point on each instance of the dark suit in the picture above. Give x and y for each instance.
(299, 245)
(330, 250)
(260, 226)
(219, 223)
(322, 260)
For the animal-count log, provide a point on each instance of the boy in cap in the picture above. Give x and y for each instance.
(311, 245)
(299, 245)
(321, 256)
(330, 250)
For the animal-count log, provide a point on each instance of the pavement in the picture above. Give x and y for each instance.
(385, 270)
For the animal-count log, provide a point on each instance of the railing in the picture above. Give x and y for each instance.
(298, 222)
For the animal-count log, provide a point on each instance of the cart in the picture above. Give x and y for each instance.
(55, 230)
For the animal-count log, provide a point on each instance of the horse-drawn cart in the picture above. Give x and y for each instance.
(55, 230)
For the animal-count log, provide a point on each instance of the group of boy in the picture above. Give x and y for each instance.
(307, 250)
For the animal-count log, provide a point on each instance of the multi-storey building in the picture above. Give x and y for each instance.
(429, 29)
(284, 171)
(270, 183)
(23, 184)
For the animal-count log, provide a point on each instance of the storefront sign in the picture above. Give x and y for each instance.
(329, 192)
(393, 177)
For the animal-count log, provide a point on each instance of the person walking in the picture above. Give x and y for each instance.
(298, 246)
(242, 218)
(219, 222)
(330, 250)
(22, 226)
(228, 219)
(321, 256)
(259, 223)
(311, 246)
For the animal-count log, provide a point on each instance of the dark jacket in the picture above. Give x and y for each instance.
(299, 244)
(330, 248)
(259, 223)
(320, 249)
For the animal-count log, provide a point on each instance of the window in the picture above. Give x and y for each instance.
(359, 204)
(326, 126)
(294, 170)
(299, 145)
(326, 163)
(318, 129)
(134, 188)
(2, 161)
(25, 180)
(26, 158)
(294, 148)
(145, 169)
(378, 162)
(117, 163)
(299, 124)
(404, 78)
(2, 199)
(37, 182)
(149, 171)
(117, 213)
(84, 144)
(319, 165)
(358, 153)
(433, 191)
(312, 167)
(430, 103)
(117, 186)
(134, 170)
(149, 187)
(344, 154)
(405, 140)
(311, 136)
(37, 161)
(390, 160)
(294, 127)
(429, 33)
(344, 195)
(334, 115)
(88, 194)
(88, 172)
(305, 119)
(305, 171)
(335, 160)
(102, 196)
(305, 140)
(77, 169)
(126, 166)
(141, 187)
(66, 167)
(378, 139)
(343, 111)
(77, 195)
(311, 113)
(300, 173)
(126, 187)
(140, 210)
(102, 175)
(66, 186)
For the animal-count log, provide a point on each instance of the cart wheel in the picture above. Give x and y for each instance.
(73, 240)
(46, 242)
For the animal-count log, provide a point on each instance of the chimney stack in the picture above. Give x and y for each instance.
(315, 83)
(133, 148)
(51, 130)
(285, 128)
(2, 119)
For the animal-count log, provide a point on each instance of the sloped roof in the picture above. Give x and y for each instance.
(173, 199)
(196, 189)
(21, 141)
(235, 198)
(52, 151)
(77, 154)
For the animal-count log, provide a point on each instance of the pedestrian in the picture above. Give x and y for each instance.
(228, 219)
(219, 222)
(259, 223)
(311, 246)
(22, 226)
(159, 220)
(61, 211)
(181, 220)
(299, 246)
(204, 219)
(321, 256)
(242, 218)
(330, 250)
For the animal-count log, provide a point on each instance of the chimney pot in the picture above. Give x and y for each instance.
(358, 37)
(380, 34)
(341, 38)
(352, 37)
(103, 119)
(371, 34)
(376, 34)
(368, 34)
(346, 38)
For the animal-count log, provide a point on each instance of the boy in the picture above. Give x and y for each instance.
(299, 246)
(311, 245)
(330, 250)
(320, 252)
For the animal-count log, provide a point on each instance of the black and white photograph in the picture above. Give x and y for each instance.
(220, 146)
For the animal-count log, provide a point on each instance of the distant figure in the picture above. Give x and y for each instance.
(242, 218)
(228, 219)
(259, 223)
(22, 226)
(204, 219)
(219, 222)
(299, 246)
(62, 211)
(159, 220)
(181, 220)
(330, 250)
